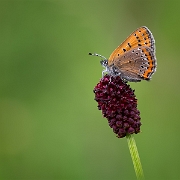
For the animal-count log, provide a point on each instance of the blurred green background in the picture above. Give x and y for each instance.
(50, 127)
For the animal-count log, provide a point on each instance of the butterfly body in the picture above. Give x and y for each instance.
(134, 60)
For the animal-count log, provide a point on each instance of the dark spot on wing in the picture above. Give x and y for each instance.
(129, 45)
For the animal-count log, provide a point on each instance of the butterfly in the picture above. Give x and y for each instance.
(134, 60)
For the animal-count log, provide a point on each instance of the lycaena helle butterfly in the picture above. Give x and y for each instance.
(134, 60)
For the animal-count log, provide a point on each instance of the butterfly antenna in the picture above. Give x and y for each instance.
(95, 54)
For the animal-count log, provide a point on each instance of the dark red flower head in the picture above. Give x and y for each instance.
(118, 104)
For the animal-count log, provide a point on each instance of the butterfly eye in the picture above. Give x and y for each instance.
(104, 63)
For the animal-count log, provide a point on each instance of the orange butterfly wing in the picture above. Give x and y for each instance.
(141, 37)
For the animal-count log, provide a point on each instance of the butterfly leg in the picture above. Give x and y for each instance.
(104, 72)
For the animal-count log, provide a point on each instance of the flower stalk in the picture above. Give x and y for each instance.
(135, 157)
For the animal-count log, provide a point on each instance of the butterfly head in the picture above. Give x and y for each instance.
(111, 70)
(104, 63)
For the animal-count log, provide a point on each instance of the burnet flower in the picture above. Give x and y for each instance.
(118, 104)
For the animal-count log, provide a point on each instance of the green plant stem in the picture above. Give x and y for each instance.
(135, 157)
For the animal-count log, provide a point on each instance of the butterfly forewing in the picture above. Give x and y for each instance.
(141, 37)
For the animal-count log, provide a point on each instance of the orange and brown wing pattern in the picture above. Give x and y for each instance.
(141, 37)
(151, 63)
